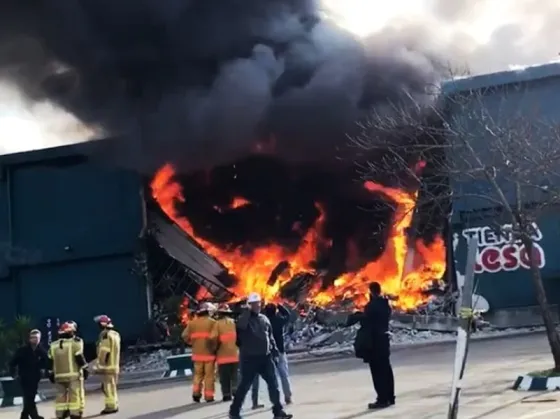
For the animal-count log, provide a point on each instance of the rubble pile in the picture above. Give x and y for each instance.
(319, 332)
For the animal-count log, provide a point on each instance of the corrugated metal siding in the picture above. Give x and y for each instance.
(7, 299)
(71, 229)
(68, 212)
(5, 240)
(539, 99)
(80, 290)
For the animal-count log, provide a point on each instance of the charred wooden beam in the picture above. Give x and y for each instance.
(297, 288)
(277, 271)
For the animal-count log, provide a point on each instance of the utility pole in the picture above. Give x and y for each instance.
(464, 329)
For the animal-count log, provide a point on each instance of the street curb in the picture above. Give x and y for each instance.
(412, 345)
(309, 359)
(528, 383)
(49, 394)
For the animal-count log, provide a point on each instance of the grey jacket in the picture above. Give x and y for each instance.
(255, 336)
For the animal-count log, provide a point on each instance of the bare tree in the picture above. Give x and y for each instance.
(496, 150)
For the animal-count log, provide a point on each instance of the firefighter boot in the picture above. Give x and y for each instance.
(109, 411)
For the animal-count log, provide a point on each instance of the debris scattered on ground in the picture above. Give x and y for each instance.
(322, 333)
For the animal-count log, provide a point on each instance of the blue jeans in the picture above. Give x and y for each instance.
(283, 375)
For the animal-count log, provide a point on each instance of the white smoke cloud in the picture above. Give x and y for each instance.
(27, 125)
(481, 36)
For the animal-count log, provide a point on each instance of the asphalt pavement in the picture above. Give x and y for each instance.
(341, 388)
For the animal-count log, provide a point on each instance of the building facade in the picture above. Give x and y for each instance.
(502, 270)
(68, 230)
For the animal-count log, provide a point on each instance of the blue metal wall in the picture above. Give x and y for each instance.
(70, 228)
(530, 93)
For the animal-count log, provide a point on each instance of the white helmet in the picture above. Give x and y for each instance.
(205, 307)
(254, 298)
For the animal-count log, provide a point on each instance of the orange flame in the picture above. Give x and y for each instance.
(404, 269)
(239, 202)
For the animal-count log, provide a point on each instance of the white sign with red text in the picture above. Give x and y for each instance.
(498, 252)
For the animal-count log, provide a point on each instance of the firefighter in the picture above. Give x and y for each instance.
(227, 354)
(198, 334)
(67, 360)
(108, 362)
(80, 342)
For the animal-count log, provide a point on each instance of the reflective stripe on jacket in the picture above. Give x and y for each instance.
(198, 334)
(225, 335)
(80, 344)
(63, 354)
(109, 352)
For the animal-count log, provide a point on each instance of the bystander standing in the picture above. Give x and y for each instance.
(373, 346)
(257, 357)
(279, 316)
(28, 364)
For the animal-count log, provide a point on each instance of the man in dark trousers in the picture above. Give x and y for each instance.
(279, 317)
(28, 363)
(257, 354)
(373, 346)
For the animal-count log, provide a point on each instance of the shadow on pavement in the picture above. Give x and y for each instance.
(357, 415)
(171, 412)
(243, 413)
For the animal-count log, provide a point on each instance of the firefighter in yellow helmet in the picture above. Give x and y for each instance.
(80, 342)
(198, 334)
(67, 360)
(108, 362)
(227, 355)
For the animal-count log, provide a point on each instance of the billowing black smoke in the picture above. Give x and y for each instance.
(203, 82)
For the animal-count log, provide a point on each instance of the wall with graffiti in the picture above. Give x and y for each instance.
(502, 264)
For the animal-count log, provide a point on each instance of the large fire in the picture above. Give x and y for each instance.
(404, 269)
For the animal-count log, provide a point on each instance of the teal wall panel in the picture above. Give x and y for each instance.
(83, 289)
(68, 209)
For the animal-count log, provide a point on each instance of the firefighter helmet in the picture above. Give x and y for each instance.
(224, 308)
(74, 325)
(205, 308)
(103, 320)
(65, 328)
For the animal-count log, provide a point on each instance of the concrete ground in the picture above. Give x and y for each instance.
(340, 389)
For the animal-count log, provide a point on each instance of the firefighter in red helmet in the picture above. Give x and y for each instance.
(80, 342)
(108, 362)
(67, 364)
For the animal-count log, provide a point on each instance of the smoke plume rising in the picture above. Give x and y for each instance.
(204, 82)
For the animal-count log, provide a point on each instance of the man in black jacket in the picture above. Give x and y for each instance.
(257, 351)
(279, 317)
(29, 361)
(373, 346)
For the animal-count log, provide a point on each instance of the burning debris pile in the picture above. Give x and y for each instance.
(312, 271)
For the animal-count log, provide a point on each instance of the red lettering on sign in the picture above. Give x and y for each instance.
(490, 259)
(510, 257)
(510, 261)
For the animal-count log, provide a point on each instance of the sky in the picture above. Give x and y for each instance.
(481, 35)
